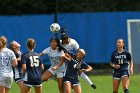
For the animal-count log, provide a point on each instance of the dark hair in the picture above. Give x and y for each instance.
(31, 43)
(60, 48)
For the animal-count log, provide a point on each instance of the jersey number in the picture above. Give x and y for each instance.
(120, 61)
(34, 61)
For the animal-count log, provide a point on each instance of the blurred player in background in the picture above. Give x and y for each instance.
(71, 74)
(32, 67)
(7, 61)
(70, 45)
(56, 56)
(15, 47)
(122, 63)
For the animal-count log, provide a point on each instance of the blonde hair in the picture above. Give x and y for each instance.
(1, 45)
(3, 40)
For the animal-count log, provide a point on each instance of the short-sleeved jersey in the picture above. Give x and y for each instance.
(73, 45)
(33, 66)
(72, 70)
(121, 59)
(6, 58)
(54, 56)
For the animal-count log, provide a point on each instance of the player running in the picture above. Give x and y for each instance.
(70, 78)
(55, 54)
(70, 44)
(7, 61)
(32, 68)
(122, 63)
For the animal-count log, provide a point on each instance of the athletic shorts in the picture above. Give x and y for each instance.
(33, 84)
(119, 74)
(6, 81)
(73, 81)
(58, 73)
(17, 75)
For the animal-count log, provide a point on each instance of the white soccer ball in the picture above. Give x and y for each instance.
(55, 27)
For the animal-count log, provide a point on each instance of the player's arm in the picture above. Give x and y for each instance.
(23, 61)
(41, 54)
(88, 69)
(131, 67)
(14, 63)
(130, 63)
(59, 64)
(68, 57)
(14, 60)
(23, 68)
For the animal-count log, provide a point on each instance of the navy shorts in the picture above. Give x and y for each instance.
(119, 74)
(33, 84)
(73, 81)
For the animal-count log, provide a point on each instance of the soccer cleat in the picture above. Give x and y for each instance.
(93, 86)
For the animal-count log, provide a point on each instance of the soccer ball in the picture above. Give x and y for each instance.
(55, 27)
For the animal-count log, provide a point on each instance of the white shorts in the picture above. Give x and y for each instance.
(58, 73)
(6, 81)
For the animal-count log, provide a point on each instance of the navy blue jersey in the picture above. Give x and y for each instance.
(72, 68)
(33, 67)
(121, 59)
(17, 69)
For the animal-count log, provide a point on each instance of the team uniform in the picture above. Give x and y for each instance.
(71, 73)
(54, 56)
(6, 71)
(123, 60)
(73, 45)
(17, 70)
(33, 73)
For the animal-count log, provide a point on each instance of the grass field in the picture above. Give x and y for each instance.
(103, 82)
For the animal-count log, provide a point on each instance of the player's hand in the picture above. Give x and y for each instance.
(116, 66)
(84, 70)
(54, 68)
(131, 71)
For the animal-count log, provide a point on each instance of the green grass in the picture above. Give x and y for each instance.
(103, 82)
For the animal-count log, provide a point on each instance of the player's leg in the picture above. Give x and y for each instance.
(116, 84)
(77, 89)
(8, 84)
(2, 89)
(60, 85)
(116, 81)
(20, 84)
(125, 81)
(86, 78)
(7, 90)
(46, 75)
(67, 87)
(38, 89)
(25, 89)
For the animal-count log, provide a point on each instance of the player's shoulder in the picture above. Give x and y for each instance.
(127, 52)
(8, 50)
(72, 40)
(115, 52)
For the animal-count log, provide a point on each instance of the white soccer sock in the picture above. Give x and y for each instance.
(86, 78)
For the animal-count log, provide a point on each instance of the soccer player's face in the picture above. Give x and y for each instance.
(79, 55)
(120, 43)
(53, 44)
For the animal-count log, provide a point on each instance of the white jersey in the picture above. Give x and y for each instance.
(6, 58)
(54, 56)
(73, 45)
